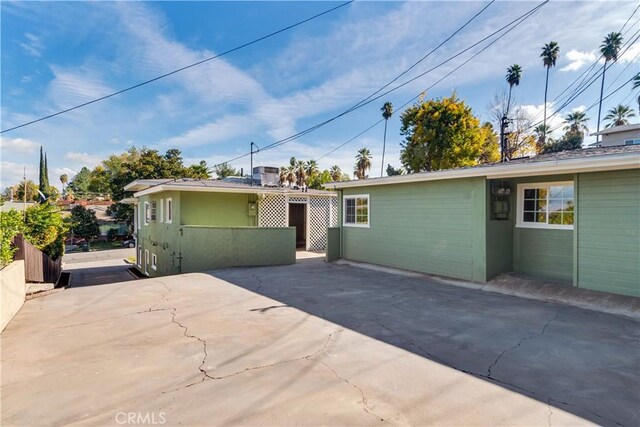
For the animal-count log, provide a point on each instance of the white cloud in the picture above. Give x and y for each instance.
(632, 54)
(32, 45)
(12, 173)
(17, 145)
(578, 59)
(71, 87)
(83, 159)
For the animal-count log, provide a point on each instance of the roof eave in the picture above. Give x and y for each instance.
(624, 161)
(254, 190)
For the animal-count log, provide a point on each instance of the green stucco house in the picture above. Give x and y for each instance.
(191, 225)
(571, 217)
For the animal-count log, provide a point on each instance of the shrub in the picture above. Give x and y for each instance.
(11, 224)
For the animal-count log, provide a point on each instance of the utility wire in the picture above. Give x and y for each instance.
(93, 101)
(517, 21)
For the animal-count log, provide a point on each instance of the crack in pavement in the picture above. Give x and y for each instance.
(259, 280)
(544, 329)
(363, 400)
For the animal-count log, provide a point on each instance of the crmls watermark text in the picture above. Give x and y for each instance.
(140, 418)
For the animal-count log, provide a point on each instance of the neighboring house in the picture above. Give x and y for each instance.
(572, 217)
(190, 225)
(105, 221)
(619, 135)
(15, 205)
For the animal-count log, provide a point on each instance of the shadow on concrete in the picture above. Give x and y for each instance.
(580, 361)
(94, 276)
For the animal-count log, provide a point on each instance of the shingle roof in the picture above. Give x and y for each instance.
(576, 154)
(213, 183)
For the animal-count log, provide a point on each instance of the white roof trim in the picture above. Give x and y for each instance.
(554, 167)
(255, 190)
(618, 129)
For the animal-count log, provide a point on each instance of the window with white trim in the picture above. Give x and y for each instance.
(154, 210)
(161, 210)
(546, 205)
(147, 213)
(154, 261)
(356, 210)
(139, 256)
(169, 211)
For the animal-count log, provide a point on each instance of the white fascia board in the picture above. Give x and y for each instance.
(129, 201)
(256, 190)
(593, 164)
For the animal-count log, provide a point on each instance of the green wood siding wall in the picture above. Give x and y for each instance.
(433, 227)
(608, 238)
(542, 253)
(217, 209)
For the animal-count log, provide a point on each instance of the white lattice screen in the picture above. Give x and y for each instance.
(322, 212)
(272, 211)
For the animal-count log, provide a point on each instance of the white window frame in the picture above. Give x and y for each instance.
(161, 217)
(139, 260)
(154, 261)
(154, 212)
(147, 213)
(520, 208)
(146, 261)
(344, 210)
(169, 218)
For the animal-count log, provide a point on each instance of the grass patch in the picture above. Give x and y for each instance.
(130, 260)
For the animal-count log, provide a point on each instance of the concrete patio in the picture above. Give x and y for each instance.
(314, 344)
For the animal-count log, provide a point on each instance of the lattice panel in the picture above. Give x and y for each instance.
(334, 212)
(320, 217)
(298, 199)
(272, 211)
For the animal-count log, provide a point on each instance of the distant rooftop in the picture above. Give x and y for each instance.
(617, 129)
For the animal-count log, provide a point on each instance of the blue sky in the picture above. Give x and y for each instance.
(57, 55)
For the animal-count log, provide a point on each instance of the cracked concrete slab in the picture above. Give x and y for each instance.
(317, 344)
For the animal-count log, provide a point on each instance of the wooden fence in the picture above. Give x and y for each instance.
(38, 267)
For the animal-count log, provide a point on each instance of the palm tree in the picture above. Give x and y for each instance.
(609, 48)
(636, 85)
(312, 168)
(576, 122)
(335, 172)
(619, 116)
(301, 172)
(514, 73)
(541, 131)
(64, 179)
(363, 163)
(291, 175)
(549, 55)
(282, 174)
(387, 112)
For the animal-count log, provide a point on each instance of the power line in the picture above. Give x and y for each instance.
(517, 21)
(93, 101)
(430, 87)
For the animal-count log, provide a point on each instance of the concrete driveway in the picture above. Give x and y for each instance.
(314, 344)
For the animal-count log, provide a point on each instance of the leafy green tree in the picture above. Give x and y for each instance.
(610, 48)
(318, 179)
(549, 55)
(32, 191)
(514, 74)
(80, 183)
(440, 134)
(363, 163)
(99, 181)
(619, 116)
(198, 171)
(224, 170)
(571, 140)
(576, 122)
(387, 112)
(83, 223)
(121, 212)
(490, 151)
(11, 224)
(391, 171)
(45, 229)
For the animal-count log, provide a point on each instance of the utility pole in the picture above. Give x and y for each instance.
(504, 122)
(258, 149)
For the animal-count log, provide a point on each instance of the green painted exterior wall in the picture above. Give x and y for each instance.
(207, 248)
(215, 212)
(608, 240)
(542, 253)
(333, 244)
(217, 209)
(436, 227)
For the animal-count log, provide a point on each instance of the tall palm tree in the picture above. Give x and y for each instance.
(636, 85)
(363, 163)
(335, 172)
(64, 179)
(619, 116)
(301, 172)
(312, 168)
(549, 55)
(576, 122)
(282, 174)
(291, 175)
(514, 74)
(387, 112)
(609, 48)
(541, 131)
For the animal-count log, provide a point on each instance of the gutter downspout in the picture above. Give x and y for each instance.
(340, 224)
